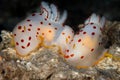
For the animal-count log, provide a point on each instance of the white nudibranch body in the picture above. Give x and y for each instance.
(46, 29)
(86, 48)
(41, 28)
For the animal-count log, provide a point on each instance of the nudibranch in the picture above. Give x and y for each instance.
(86, 47)
(44, 28)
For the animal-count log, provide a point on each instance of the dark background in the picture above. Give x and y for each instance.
(13, 11)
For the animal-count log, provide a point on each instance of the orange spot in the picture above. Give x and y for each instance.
(29, 29)
(63, 25)
(93, 33)
(36, 36)
(22, 40)
(17, 43)
(42, 33)
(67, 50)
(49, 23)
(28, 20)
(91, 23)
(69, 37)
(30, 24)
(22, 30)
(37, 32)
(94, 27)
(23, 47)
(14, 34)
(63, 33)
(79, 40)
(74, 46)
(66, 56)
(33, 14)
(28, 44)
(19, 27)
(66, 40)
(84, 32)
(41, 22)
(30, 38)
(49, 31)
(82, 57)
(92, 49)
(38, 29)
(55, 28)
(72, 55)
(45, 19)
(71, 40)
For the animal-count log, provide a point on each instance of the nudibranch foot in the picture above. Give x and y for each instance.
(107, 54)
(82, 67)
(100, 59)
(95, 63)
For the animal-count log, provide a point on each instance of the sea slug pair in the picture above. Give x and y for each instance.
(46, 28)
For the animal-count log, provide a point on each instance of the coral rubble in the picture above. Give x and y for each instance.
(48, 65)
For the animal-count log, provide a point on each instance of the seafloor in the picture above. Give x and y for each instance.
(46, 64)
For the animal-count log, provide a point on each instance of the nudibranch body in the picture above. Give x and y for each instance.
(46, 29)
(40, 28)
(86, 48)
(64, 38)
